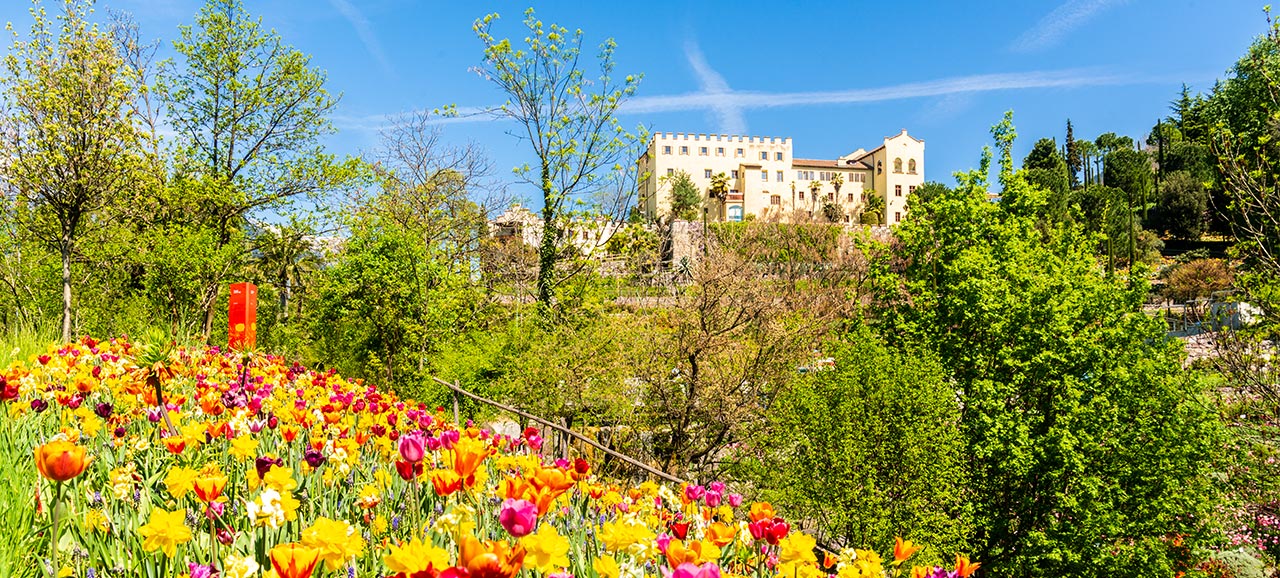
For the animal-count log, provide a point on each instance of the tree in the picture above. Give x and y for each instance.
(1184, 206)
(73, 144)
(570, 122)
(685, 197)
(1074, 160)
(1045, 168)
(249, 113)
(866, 472)
(873, 211)
(1068, 390)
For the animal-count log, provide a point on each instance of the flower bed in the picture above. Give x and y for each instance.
(272, 469)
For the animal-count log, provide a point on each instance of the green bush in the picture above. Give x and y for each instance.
(870, 448)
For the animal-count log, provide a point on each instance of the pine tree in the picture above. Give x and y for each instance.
(1073, 157)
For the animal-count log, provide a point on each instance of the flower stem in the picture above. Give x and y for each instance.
(57, 520)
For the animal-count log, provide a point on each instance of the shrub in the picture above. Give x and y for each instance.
(1199, 278)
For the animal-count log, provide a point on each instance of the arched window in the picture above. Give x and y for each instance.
(897, 165)
(911, 166)
(735, 213)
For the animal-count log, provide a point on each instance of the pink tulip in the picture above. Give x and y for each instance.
(518, 517)
(448, 438)
(694, 493)
(663, 540)
(412, 447)
(687, 570)
(712, 499)
(717, 487)
(735, 500)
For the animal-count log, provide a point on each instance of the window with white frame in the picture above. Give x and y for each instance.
(684, 150)
(702, 151)
(777, 156)
(764, 156)
(779, 176)
(719, 151)
(764, 176)
(739, 154)
(666, 150)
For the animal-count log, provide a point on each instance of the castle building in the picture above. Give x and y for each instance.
(766, 181)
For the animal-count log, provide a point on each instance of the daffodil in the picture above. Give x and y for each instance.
(338, 542)
(165, 531)
(545, 550)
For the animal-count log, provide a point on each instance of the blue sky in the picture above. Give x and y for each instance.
(833, 76)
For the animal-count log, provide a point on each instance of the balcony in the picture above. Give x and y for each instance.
(733, 197)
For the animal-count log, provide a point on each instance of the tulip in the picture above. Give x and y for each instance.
(103, 409)
(8, 391)
(712, 499)
(694, 493)
(445, 482)
(448, 438)
(903, 549)
(964, 567)
(39, 405)
(735, 500)
(518, 517)
(314, 458)
(680, 530)
(407, 470)
(490, 560)
(264, 463)
(777, 531)
(412, 447)
(60, 460)
(294, 560)
(687, 570)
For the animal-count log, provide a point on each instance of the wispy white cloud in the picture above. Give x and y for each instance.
(365, 31)
(957, 85)
(713, 84)
(1057, 24)
(746, 100)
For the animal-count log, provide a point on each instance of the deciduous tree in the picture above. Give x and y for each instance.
(584, 156)
(73, 143)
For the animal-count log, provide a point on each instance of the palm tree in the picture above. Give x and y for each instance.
(285, 256)
(875, 205)
(719, 190)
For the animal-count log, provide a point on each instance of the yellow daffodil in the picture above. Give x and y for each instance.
(546, 550)
(165, 531)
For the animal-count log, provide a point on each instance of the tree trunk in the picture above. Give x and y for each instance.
(65, 248)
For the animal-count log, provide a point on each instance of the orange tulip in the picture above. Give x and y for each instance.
(964, 567)
(175, 444)
(445, 482)
(61, 460)
(294, 560)
(492, 560)
(468, 454)
(903, 549)
(720, 534)
(678, 553)
(208, 487)
(762, 511)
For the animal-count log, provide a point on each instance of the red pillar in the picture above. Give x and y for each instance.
(242, 317)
